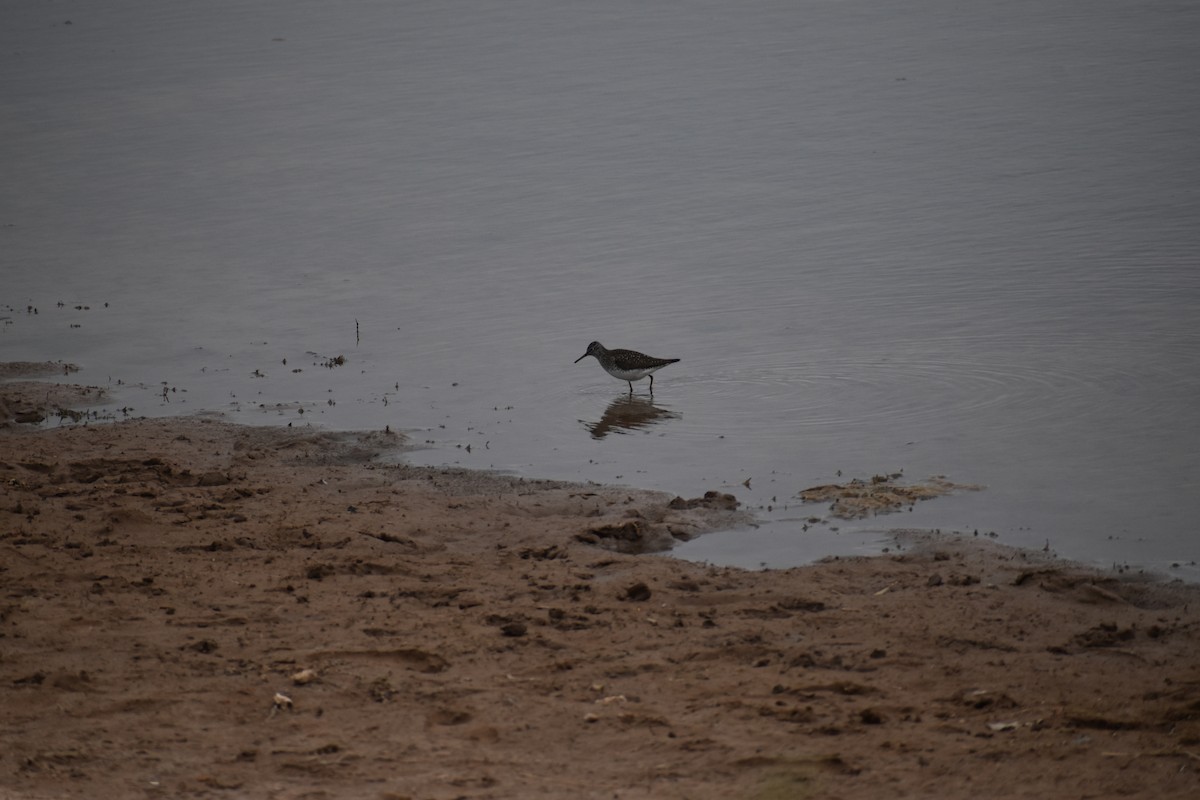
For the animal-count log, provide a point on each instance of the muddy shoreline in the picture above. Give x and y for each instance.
(198, 609)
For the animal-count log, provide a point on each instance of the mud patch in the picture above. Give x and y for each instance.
(881, 494)
(34, 402)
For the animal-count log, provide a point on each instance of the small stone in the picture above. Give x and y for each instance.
(638, 593)
(513, 629)
(870, 716)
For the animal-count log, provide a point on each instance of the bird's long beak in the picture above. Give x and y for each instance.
(581, 358)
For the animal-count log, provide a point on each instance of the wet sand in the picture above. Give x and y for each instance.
(196, 609)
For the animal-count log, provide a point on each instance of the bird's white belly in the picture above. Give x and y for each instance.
(630, 374)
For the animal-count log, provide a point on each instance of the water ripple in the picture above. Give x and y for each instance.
(906, 388)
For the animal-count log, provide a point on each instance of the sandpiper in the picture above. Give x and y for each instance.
(626, 365)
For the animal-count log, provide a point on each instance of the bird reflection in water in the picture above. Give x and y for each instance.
(628, 413)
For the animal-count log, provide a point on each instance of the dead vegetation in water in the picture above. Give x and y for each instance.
(881, 494)
(332, 361)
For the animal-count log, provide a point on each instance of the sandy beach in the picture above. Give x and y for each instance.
(197, 609)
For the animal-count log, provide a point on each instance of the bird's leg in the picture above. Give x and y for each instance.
(651, 384)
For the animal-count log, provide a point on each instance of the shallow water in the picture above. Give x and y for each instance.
(936, 239)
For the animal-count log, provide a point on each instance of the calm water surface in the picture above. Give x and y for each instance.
(947, 240)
